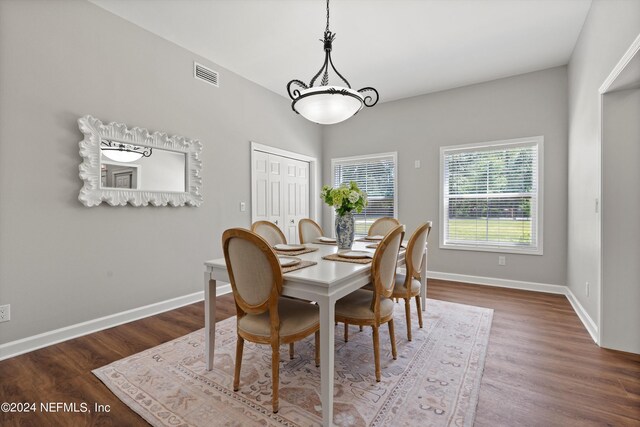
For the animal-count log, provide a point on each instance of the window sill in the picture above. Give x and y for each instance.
(499, 249)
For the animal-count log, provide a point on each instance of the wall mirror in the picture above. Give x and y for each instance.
(122, 165)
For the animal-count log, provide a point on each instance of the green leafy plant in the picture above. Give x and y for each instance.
(344, 198)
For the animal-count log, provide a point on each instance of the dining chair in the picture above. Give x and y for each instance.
(382, 226)
(309, 230)
(264, 317)
(408, 285)
(375, 308)
(269, 231)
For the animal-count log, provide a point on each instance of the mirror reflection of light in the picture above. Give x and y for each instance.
(122, 156)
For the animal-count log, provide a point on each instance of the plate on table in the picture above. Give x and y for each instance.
(374, 238)
(355, 254)
(327, 239)
(288, 261)
(285, 247)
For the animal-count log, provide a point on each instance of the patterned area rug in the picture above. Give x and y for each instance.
(434, 382)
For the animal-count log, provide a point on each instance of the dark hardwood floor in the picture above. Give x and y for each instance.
(542, 367)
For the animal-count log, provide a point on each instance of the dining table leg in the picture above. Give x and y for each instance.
(423, 281)
(327, 325)
(209, 319)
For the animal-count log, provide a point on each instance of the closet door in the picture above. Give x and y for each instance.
(296, 197)
(280, 192)
(260, 187)
(276, 202)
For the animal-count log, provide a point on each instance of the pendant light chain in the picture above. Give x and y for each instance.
(327, 29)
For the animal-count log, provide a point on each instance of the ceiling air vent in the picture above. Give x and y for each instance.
(205, 74)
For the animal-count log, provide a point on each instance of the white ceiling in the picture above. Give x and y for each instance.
(402, 48)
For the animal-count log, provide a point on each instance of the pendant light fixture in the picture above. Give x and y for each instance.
(328, 104)
(121, 152)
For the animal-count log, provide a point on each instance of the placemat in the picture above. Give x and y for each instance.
(303, 264)
(299, 252)
(336, 257)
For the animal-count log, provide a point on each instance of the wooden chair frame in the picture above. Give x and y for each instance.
(257, 224)
(413, 272)
(379, 292)
(381, 221)
(270, 304)
(312, 223)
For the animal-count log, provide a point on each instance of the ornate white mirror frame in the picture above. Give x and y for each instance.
(92, 193)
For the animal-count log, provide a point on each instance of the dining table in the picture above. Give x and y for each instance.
(324, 283)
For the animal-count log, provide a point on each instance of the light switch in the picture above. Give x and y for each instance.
(417, 164)
(243, 206)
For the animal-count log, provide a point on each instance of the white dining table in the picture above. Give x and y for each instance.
(324, 283)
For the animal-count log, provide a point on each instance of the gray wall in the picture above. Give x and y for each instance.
(620, 227)
(526, 105)
(62, 263)
(609, 30)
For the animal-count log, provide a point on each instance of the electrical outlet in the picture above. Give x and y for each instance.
(243, 206)
(417, 164)
(5, 313)
(502, 260)
(587, 288)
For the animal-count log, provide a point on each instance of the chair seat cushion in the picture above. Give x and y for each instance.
(400, 290)
(295, 317)
(357, 305)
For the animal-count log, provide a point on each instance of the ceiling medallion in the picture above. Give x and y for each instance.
(329, 104)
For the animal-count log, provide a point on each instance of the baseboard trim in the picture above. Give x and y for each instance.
(501, 283)
(25, 345)
(584, 317)
(587, 321)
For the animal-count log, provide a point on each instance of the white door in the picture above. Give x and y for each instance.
(296, 187)
(280, 192)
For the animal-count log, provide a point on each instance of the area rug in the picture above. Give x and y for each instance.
(434, 381)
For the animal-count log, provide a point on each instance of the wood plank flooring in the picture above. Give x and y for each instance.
(542, 367)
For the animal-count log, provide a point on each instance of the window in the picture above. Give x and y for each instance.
(491, 196)
(375, 174)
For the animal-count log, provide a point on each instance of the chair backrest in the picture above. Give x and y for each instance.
(415, 249)
(269, 232)
(382, 226)
(309, 230)
(383, 267)
(254, 270)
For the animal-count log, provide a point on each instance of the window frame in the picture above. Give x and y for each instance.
(393, 155)
(537, 141)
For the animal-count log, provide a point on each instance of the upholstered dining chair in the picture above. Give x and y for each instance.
(382, 226)
(408, 285)
(309, 230)
(269, 232)
(264, 317)
(375, 308)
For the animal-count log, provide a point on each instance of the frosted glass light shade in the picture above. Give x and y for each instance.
(122, 156)
(327, 105)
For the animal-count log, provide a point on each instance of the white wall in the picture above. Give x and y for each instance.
(60, 60)
(526, 105)
(609, 30)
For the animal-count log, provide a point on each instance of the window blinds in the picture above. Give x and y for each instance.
(490, 196)
(377, 176)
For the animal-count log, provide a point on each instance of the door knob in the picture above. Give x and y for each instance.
(292, 221)
(276, 222)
